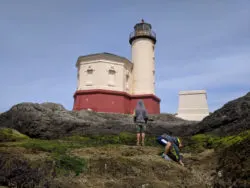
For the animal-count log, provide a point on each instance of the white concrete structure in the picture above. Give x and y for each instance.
(104, 71)
(142, 42)
(143, 70)
(193, 105)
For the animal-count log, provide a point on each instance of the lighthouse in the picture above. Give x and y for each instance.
(142, 41)
(111, 83)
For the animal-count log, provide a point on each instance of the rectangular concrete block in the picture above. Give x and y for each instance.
(193, 105)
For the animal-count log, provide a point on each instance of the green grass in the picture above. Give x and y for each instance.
(199, 142)
(65, 163)
(7, 135)
(124, 138)
(59, 149)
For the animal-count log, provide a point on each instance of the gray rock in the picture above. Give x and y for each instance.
(51, 120)
(232, 118)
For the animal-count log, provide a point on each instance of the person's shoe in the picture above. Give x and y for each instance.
(166, 157)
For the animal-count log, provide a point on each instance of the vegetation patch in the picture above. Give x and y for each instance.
(8, 134)
(55, 146)
(200, 142)
(65, 163)
(124, 138)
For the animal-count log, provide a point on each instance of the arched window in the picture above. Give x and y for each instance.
(111, 76)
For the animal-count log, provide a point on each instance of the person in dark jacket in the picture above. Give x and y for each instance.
(172, 146)
(140, 119)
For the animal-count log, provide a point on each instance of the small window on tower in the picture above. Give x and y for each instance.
(90, 71)
(89, 77)
(111, 79)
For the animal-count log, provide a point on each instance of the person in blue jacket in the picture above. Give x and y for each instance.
(172, 146)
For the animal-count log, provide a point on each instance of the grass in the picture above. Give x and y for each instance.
(7, 135)
(124, 138)
(66, 163)
(59, 149)
(200, 142)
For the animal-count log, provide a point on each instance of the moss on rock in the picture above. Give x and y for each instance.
(8, 134)
(200, 142)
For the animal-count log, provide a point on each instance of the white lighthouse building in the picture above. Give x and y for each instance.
(110, 83)
(143, 42)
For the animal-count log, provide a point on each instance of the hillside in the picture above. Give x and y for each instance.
(97, 166)
(44, 145)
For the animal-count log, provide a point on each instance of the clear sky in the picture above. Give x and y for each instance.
(200, 45)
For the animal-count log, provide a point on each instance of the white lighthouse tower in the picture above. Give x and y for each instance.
(142, 41)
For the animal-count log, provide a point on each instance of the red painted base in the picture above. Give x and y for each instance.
(113, 101)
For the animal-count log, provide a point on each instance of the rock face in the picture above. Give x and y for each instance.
(232, 118)
(50, 121)
(234, 166)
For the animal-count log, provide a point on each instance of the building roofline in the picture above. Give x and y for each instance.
(104, 55)
(190, 92)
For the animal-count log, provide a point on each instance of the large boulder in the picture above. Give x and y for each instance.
(232, 118)
(51, 120)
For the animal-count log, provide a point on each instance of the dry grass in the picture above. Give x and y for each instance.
(132, 166)
(128, 166)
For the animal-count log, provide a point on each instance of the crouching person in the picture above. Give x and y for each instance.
(172, 148)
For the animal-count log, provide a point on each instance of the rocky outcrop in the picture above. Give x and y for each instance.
(232, 118)
(234, 166)
(50, 121)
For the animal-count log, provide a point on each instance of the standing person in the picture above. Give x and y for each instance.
(172, 146)
(140, 119)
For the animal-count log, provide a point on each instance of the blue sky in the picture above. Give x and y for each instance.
(200, 45)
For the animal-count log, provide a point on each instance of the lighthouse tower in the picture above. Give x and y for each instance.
(142, 41)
